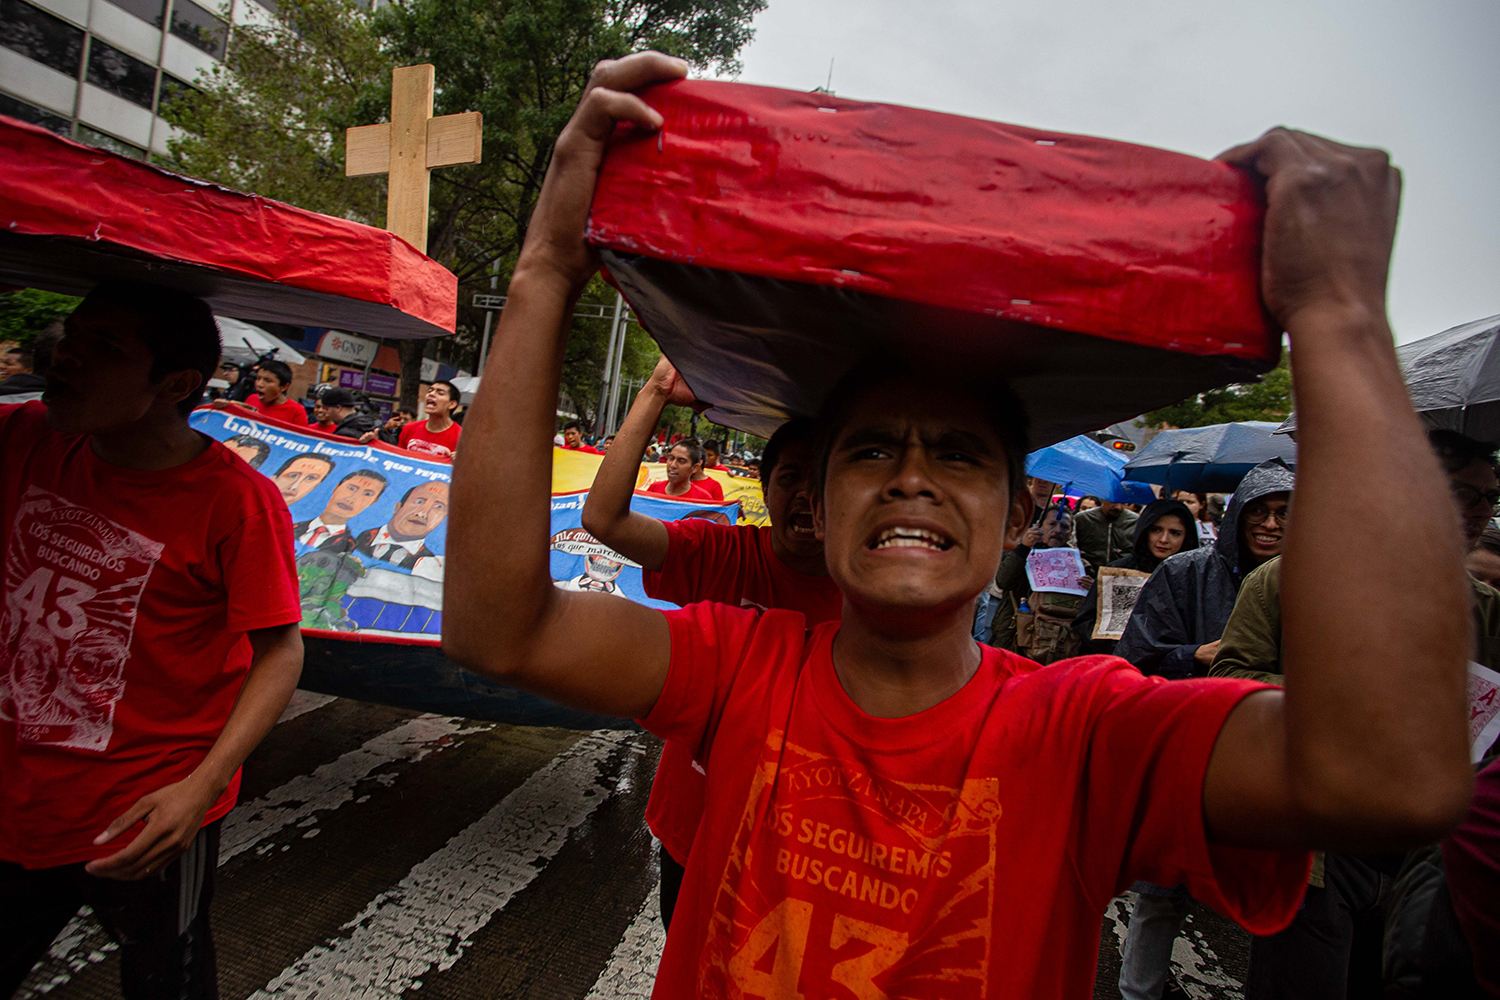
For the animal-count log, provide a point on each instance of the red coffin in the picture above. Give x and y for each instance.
(769, 238)
(72, 215)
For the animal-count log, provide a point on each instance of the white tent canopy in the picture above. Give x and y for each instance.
(244, 342)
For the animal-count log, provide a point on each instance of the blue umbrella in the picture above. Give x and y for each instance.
(1209, 459)
(1085, 466)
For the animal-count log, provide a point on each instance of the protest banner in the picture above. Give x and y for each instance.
(1118, 589)
(370, 527)
(1056, 570)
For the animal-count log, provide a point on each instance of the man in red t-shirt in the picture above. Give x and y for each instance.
(701, 479)
(779, 565)
(893, 809)
(681, 460)
(713, 456)
(572, 434)
(269, 399)
(437, 436)
(150, 640)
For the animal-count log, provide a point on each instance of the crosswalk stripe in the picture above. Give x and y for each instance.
(303, 702)
(428, 920)
(83, 942)
(631, 970)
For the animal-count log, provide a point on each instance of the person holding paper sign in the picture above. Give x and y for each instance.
(1164, 529)
(1017, 630)
(895, 809)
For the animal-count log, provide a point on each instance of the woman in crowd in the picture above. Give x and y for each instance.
(1203, 518)
(1165, 528)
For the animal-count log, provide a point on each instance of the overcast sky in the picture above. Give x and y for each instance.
(1420, 79)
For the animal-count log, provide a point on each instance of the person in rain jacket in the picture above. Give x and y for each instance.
(1182, 610)
(1148, 551)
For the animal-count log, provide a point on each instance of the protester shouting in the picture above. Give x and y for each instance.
(437, 435)
(891, 805)
(1163, 529)
(779, 565)
(149, 640)
(269, 400)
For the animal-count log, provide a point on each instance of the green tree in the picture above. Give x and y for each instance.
(1266, 398)
(25, 312)
(272, 121)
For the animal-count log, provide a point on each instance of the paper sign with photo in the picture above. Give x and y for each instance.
(1118, 588)
(1484, 709)
(1056, 570)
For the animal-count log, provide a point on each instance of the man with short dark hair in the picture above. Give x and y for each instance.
(269, 400)
(438, 435)
(402, 542)
(895, 809)
(572, 434)
(1104, 534)
(140, 555)
(300, 475)
(25, 386)
(713, 455)
(330, 529)
(779, 565)
(16, 361)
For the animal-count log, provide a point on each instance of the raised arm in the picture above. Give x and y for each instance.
(607, 514)
(502, 617)
(1367, 747)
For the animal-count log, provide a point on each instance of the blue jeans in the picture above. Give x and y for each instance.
(984, 617)
(1154, 923)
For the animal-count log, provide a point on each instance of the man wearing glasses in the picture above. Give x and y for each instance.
(1334, 947)
(1174, 632)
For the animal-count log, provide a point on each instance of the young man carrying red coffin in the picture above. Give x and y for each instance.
(893, 809)
(776, 566)
(148, 641)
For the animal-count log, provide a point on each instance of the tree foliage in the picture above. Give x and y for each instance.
(1266, 398)
(25, 312)
(272, 118)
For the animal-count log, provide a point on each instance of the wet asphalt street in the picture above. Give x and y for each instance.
(376, 852)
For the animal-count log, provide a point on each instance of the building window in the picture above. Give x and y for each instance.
(13, 108)
(38, 35)
(122, 75)
(172, 89)
(199, 28)
(109, 142)
(150, 11)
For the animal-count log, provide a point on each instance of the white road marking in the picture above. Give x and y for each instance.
(1195, 965)
(429, 920)
(303, 702)
(631, 970)
(298, 802)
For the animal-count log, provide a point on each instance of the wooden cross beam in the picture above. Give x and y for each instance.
(408, 147)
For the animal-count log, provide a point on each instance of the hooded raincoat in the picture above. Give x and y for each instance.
(1188, 600)
(1140, 558)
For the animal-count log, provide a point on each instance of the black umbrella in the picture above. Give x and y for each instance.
(1453, 378)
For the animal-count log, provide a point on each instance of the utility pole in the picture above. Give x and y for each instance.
(606, 400)
(489, 316)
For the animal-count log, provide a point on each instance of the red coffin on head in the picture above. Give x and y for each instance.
(72, 216)
(768, 239)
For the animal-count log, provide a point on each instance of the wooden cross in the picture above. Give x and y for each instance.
(408, 147)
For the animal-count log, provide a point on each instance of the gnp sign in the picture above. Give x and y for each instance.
(339, 346)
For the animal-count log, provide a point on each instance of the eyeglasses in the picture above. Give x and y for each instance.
(1469, 498)
(1259, 513)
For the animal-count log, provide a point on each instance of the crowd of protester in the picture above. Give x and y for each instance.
(820, 690)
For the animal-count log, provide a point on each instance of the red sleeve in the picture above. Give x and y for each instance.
(693, 545)
(708, 645)
(1148, 755)
(712, 488)
(260, 571)
(407, 430)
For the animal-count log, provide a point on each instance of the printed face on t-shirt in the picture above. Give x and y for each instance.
(300, 477)
(420, 513)
(914, 480)
(350, 497)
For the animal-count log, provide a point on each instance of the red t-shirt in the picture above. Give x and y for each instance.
(122, 637)
(288, 411)
(710, 485)
(694, 491)
(965, 851)
(734, 565)
(586, 449)
(326, 426)
(416, 437)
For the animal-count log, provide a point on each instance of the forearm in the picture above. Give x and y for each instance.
(1375, 622)
(606, 513)
(497, 586)
(263, 697)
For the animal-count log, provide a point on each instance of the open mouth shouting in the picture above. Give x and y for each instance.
(800, 523)
(907, 537)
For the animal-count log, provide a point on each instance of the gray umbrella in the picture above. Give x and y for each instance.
(1453, 378)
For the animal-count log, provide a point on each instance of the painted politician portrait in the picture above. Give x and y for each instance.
(300, 475)
(329, 531)
(401, 541)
